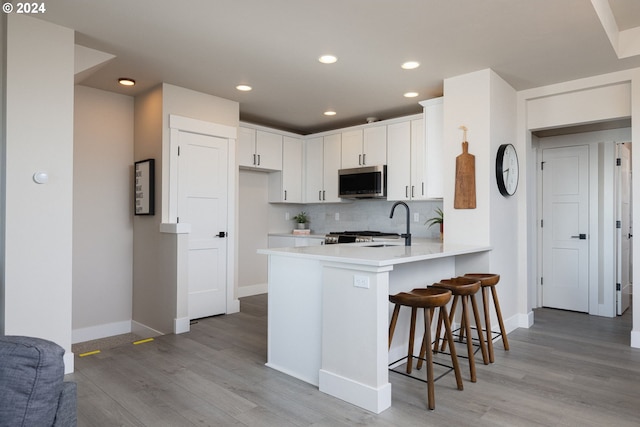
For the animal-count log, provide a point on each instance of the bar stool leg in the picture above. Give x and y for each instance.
(412, 335)
(426, 341)
(451, 315)
(449, 337)
(476, 314)
(431, 398)
(503, 331)
(487, 322)
(467, 325)
(394, 320)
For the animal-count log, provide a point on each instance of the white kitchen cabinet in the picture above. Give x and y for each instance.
(433, 113)
(364, 147)
(259, 149)
(322, 159)
(286, 186)
(399, 161)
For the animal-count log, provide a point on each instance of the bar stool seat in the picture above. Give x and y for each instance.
(489, 281)
(464, 289)
(428, 299)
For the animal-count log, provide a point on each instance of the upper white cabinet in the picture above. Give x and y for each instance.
(433, 114)
(259, 149)
(286, 186)
(399, 184)
(364, 147)
(321, 165)
(414, 166)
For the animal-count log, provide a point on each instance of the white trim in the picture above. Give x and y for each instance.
(188, 124)
(100, 331)
(175, 228)
(372, 399)
(247, 291)
(635, 339)
(68, 362)
(144, 330)
(181, 325)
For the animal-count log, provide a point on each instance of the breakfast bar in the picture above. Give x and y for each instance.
(329, 310)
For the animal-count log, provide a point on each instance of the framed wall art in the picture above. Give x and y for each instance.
(144, 201)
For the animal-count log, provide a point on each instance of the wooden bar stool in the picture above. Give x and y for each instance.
(428, 299)
(465, 289)
(488, 280)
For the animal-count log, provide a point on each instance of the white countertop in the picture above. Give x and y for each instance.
(392, 253)
(290, 234)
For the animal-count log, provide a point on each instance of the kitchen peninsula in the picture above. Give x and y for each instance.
(329, 310)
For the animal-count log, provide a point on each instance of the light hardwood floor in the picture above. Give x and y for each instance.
(569, 369)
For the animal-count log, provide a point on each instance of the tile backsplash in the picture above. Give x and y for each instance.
(359, 215)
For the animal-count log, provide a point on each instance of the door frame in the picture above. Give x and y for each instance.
(170, 223)
(601, 211)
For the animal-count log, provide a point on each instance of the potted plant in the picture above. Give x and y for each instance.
(302, 219)
(438, 219)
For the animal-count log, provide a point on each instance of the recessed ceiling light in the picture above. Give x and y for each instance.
(410, 65)
(411, 94)
(125, 81)
(244, 88)
(327, 59)
(330, 113)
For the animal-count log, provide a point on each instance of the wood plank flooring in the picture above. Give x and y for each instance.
(569, 369)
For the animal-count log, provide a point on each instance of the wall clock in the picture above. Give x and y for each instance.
(507, 170)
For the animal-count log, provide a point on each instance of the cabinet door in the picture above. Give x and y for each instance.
(351, 149)
(313, 170)
(268, 150)
(399, 161)
(331, 166)
(418, 160)
(434, 123)
(246, 147)
(291, 170)
(375, 146)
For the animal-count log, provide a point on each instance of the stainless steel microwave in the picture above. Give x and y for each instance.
(369, 182)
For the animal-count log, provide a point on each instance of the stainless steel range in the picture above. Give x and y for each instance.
(357, 236)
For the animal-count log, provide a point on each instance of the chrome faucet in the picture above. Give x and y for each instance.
(407, 236)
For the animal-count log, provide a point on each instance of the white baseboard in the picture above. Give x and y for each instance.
(363, 395)
(68, 362)
(100, 331)
(247, 291)
(144, 330)
(181, 326)
(635, 339)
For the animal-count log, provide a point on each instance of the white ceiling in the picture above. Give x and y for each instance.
(213, 45)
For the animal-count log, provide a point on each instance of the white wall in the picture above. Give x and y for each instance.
(615, 95)
(38, 217)
(102, 214)
(486, 105)
(3, 60)
(253, 220)
(157, 285)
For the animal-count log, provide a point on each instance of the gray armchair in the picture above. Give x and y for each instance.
(32, 387)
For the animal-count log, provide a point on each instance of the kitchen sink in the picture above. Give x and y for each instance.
(381, 245)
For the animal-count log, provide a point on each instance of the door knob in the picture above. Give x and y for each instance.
(580, 236)
(221, 234)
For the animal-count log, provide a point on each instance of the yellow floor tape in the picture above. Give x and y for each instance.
(89, 353)
(142, 341)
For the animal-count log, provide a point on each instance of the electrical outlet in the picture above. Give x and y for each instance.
(361, 281)
(337, 216)
(416, 217)
(287, 216)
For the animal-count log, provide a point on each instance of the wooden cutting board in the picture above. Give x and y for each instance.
(465, 192)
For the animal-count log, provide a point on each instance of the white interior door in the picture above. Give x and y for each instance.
(202, 187)
(624, 233)
(565, 231)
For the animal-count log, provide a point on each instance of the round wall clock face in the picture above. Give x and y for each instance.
(507, 170)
